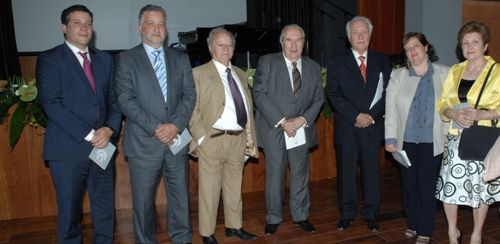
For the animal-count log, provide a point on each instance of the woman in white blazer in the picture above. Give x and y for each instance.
(413, 124)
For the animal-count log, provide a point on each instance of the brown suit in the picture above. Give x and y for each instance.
(220, 158)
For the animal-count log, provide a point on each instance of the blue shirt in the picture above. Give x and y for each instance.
(419, 125)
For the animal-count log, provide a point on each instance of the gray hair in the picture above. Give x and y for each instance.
(363, 19)
(151, 8)
(291, 26)
(216, 30)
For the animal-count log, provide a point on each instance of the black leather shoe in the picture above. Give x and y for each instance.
(209, 240)
(372, 225)
(306, 226)
(271, 229)
(343, 224)
(241, 233)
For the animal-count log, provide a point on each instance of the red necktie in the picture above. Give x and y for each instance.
(362, 67)
(88, 70)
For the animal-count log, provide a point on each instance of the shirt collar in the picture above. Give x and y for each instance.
(429, 72)
(289, 62)
(76, 50)
(220, 67)
(356, 54)
(150, 49)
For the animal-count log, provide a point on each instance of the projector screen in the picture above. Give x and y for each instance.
(38, 26)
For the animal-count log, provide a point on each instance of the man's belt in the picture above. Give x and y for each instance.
(226, 132)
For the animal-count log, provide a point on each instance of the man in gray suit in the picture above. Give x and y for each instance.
(156, 93)
(288, 96)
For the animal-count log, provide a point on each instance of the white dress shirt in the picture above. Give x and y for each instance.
(227, 120)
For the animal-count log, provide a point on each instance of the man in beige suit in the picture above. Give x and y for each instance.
(223, 132)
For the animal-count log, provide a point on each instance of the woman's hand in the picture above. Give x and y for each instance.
(461, 116)
(391, 148)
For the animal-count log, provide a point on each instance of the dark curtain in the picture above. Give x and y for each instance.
(9, 61)
(277, 13)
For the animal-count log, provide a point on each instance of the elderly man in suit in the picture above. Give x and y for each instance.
(223, 136)
(288, 97)
(156, 93)
(356, 84)
(75, 83)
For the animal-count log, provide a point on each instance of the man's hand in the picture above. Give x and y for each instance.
(364, 120)
(290, 126)
(166, 133)
(101, 137)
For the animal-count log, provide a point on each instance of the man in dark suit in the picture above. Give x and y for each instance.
(75, 83)
(224, 136)
(156, 93)
(288, 97)
(354, 78)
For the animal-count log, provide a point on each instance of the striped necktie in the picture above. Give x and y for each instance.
(297, 80)
(160, 72)
(362, 67)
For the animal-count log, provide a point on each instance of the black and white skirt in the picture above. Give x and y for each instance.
(460, 182)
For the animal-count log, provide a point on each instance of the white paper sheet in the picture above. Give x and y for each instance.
(402, 158)
(180, 142)
(378, 92)
(102, 156)
(298, 140)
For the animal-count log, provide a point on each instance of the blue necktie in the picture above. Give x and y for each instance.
(161, 73)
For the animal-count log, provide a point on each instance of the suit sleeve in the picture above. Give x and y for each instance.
(188, 99)
(262, 98)
(49, 78)
(378, 109)
(196, 121)
(126, 97)
(312, 111)
(390, 122)
(335, 91)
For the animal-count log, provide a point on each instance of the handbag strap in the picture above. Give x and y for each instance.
(493, 122)
(484, 85)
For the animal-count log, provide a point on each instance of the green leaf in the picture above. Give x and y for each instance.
(17, 124)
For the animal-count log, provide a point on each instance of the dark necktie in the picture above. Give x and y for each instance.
(87, 68)
(160, 73)
(362, 67)
(239, 105)
(297, 80)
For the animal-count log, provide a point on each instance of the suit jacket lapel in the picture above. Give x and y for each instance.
(283, 72)
(77, 67)
(97, 70)
(170, 69)
(217, 89)
(353, 65)
(147, 69)
(372, 73)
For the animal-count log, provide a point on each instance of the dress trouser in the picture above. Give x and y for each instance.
(276, 164)
(220, 164)
(366, 151)
(419, 187)
(71, 179)
(145, 174)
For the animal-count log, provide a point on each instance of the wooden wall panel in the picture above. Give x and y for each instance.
(388, 21)
(488, 13)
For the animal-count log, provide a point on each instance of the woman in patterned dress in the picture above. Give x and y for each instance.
(460, 181)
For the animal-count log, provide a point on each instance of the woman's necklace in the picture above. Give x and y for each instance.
(474, 68)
